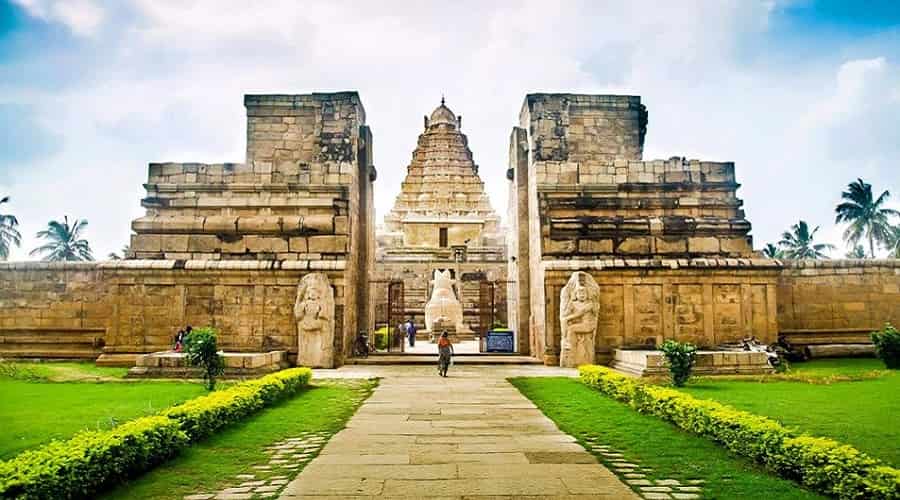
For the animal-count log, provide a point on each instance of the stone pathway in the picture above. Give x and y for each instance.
(472, 435)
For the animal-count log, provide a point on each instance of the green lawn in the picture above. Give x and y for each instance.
(34, 412)
(863, 413)
(670, 452)
(212, 464)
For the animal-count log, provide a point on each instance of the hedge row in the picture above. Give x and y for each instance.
(821, 464)
(93, 460)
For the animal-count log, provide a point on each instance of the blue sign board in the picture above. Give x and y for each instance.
(500, 342)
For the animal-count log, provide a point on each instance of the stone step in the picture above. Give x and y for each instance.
(430, 359)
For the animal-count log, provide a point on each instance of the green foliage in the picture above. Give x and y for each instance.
(202, 416)
(680, 357)
(771, 251)
(857, 252)
(865, 215)
(9, 233)
(92, 460)
(822, 464)
(798, 243)
(212, 464)
(200, 349)
(64, 241)
(887, 346)
(585, 413)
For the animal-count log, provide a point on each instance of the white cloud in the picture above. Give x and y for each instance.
(82, 17)
(169, 86)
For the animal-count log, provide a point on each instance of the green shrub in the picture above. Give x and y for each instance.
(202, 416)
(680, 358)
(887, 346)
(200, 349)
(822, 464)
(91, 460)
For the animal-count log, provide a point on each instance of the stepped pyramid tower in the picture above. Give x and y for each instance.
(441, 220)
(442, 202)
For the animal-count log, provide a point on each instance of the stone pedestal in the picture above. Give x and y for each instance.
(170, 364)
(653, 363)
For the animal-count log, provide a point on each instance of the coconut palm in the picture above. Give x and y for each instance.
(893, 244)
(866, 215)
(858, 252)
(798, 243)
(64, 242)
(771, 251)
(9, 235)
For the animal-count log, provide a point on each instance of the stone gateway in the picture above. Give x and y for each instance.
(314, 313)
(579, 309)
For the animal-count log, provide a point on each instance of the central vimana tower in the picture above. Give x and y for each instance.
(442, 220)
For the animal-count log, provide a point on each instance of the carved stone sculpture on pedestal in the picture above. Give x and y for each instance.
(578, 313)
(443, 307)
(314, 314)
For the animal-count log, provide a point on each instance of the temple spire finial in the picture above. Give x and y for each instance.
(442, 99)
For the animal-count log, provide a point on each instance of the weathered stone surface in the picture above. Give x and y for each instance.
(314, 312)
(578, 314)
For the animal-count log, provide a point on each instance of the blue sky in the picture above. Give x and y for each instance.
(804, 96)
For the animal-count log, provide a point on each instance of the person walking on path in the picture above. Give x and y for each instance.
(411, 332)
(445, 353)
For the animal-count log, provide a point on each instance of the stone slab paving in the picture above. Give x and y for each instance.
(471, 435)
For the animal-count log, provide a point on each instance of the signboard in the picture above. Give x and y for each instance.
(500, 342)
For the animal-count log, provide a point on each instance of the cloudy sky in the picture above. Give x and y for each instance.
(804, 96)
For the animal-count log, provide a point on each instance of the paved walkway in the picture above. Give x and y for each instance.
(471, 435)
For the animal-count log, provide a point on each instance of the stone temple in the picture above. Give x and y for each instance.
(600, 252)
(442, 220)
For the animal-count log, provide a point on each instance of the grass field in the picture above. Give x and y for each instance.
(212, 464)
(670, 452)
(35, 410)
(862, 410)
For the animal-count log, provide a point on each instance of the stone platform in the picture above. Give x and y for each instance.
(649, 363)
(170, 364)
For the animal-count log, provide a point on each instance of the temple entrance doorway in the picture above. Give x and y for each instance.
(484, 305)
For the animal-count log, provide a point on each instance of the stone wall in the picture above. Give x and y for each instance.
(297, 196)
(834, 296)
(137, 306)
(226, 244)
(645, 302)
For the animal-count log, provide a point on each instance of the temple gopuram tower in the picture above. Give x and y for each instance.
(441, 220)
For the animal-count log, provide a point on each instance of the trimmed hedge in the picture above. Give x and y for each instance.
(93, 460)
(202, 416)
(821, 464)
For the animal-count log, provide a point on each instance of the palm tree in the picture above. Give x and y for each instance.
(9, 235)
(771, 251)
(64, 241)
(858, 252)
(865, 214)
(893, 244)
(798, 243)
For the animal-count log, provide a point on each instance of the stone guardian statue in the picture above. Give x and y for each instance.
(314, 314)
(443, 306)
(578, 314)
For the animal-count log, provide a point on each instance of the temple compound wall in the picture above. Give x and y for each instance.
(223, 245)
(665, 241)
